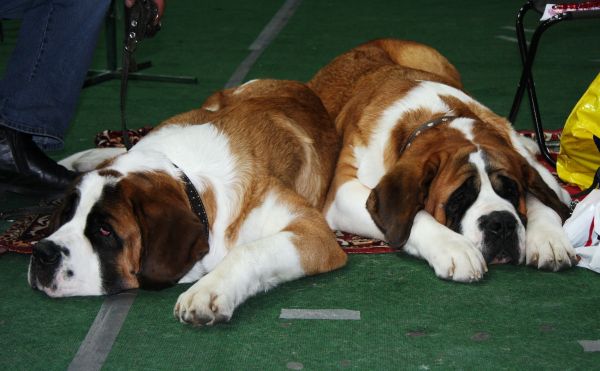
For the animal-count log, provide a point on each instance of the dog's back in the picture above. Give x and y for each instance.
(335, 83)
(298, 142)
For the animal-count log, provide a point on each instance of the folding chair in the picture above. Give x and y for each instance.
(565, 10)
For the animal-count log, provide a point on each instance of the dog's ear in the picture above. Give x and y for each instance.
(546, 195)
(64, 211)
(173, 240)
(216, 101)
(397, 198)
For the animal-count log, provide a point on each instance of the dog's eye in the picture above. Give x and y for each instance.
(458, 203)
(459, 195)
(104, 231)
(507, 189)
(66, 211)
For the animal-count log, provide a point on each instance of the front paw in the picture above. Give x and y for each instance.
(203, 304)
(548, 248)
(458, 260)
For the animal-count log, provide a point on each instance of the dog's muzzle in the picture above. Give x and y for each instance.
(500, 237)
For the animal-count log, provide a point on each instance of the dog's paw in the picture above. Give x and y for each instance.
(458, 260)
(548, 248)
(203, 304)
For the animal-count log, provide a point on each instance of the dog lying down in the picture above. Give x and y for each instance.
(429, 169)
(228, 195)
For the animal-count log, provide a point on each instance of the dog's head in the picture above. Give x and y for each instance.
(119, 231)
(471, 179)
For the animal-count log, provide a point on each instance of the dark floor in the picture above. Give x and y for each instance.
(517, 318)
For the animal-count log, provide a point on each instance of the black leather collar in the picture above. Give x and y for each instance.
(194, 199)
(421, 128)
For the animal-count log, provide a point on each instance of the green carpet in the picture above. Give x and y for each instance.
(517, 318)
(37, 332)
(409, 319)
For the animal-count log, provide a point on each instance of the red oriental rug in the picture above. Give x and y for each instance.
(32, 225)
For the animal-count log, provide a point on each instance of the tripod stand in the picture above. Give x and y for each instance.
(113, 72)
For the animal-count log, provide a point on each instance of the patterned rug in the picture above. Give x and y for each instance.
(32, 225)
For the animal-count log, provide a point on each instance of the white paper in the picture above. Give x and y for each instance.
(548, 12)
(583, 231)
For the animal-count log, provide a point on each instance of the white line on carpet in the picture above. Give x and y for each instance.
(102, 334)
(263, 40)
(507, 38)
(590, 345)
(330, 314)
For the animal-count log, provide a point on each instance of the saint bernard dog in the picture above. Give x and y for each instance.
(228, 195)
(429, 169)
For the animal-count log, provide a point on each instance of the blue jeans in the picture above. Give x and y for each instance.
(46, 71)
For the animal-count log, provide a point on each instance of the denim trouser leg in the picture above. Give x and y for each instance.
(45, 73)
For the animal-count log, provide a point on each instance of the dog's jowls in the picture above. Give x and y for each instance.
(260, 156)
(429, 169)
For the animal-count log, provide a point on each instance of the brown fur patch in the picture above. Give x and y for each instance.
(288, 136)
(105, 164)
(336, 82)
(319, 251)
(110, 173)
(158, 241)
(210, 204)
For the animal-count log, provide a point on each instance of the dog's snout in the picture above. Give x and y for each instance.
(500, 223)
(46, 252)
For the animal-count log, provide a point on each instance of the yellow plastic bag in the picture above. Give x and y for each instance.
(579, 156)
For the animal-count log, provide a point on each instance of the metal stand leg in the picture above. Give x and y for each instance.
(112, 72)
(526, 80)
(523, 53)
(533, 103)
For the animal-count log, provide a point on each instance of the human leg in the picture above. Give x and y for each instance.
(41, 86)
(45, 73)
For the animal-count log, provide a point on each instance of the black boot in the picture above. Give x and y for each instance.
(25, 168)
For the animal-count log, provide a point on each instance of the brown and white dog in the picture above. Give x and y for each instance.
(429, 169)
(259, 158)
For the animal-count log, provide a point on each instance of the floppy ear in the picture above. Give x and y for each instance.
(397, 198)
(173, 240)
(537, 187)
(64, 211)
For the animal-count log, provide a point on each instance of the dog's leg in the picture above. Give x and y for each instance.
(348, 211)
(245, 271)
(547, 245)
(451, 255)
(279, 252)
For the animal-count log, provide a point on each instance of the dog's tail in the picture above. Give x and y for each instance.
(419, 57)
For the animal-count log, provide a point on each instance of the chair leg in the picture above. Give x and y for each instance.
(512, 116)
(527, 81)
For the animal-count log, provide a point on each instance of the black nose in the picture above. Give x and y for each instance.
(46, 252)
(502, 224)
